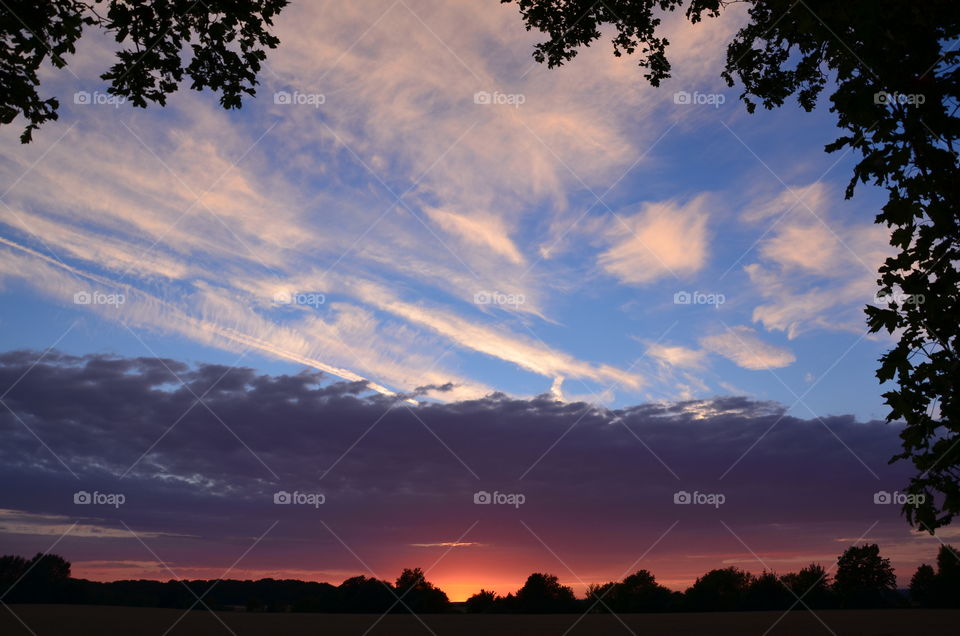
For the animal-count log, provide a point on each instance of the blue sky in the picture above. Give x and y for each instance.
(390, 201)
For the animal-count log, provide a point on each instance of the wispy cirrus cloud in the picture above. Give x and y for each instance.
(815, 271)
(742, 346)
(677, 355)
(485, 232)
(202, 212)
(401, 198)
(58, 525)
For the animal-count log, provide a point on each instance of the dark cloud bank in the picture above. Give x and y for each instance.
(394, 474)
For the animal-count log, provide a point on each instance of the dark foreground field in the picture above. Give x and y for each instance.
(67, 620)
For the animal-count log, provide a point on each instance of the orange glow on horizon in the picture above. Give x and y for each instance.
(458, 585)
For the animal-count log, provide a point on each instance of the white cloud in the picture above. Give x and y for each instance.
(677, 356)
(485, 231)
(814, 271)
(815, 196)
(742, 346)
(811, 247)
(527, 352)
(664, 239)
(556, 389)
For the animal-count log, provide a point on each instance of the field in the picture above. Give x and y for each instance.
(74, 620)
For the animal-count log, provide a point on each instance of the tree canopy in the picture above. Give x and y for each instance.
(544, 593)
(864, 578)
(417, 595)
(217, 44)
(940, 587)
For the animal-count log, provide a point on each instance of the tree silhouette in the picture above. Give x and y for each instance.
(812, 584)
(360, 594)
(483, 602)
(218, 44)
(768, 592)
(543, 593)
(599, 597)
(42, 579)
(418, 594)
(948, 576)
(893, 69)
(638, 592)
(940, 588)
(864, 578)
(11, 569)
(719, 590)
(923, 586)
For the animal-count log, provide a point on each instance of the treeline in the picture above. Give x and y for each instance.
(863, 579)
(46, 579)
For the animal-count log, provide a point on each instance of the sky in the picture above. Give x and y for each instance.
(420, 266)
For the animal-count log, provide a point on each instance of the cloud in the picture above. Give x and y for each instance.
(814, 272)
(742, 346)
(393, 475)
(481, 230)
(664, 239)
(54, 525)
(810, 247)
(446, 544)
(113, 570)
(332, 343)
(529, 353)
(815, 196)
(677, 356)
(124, 404)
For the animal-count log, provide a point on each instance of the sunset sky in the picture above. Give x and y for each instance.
(419, 265)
